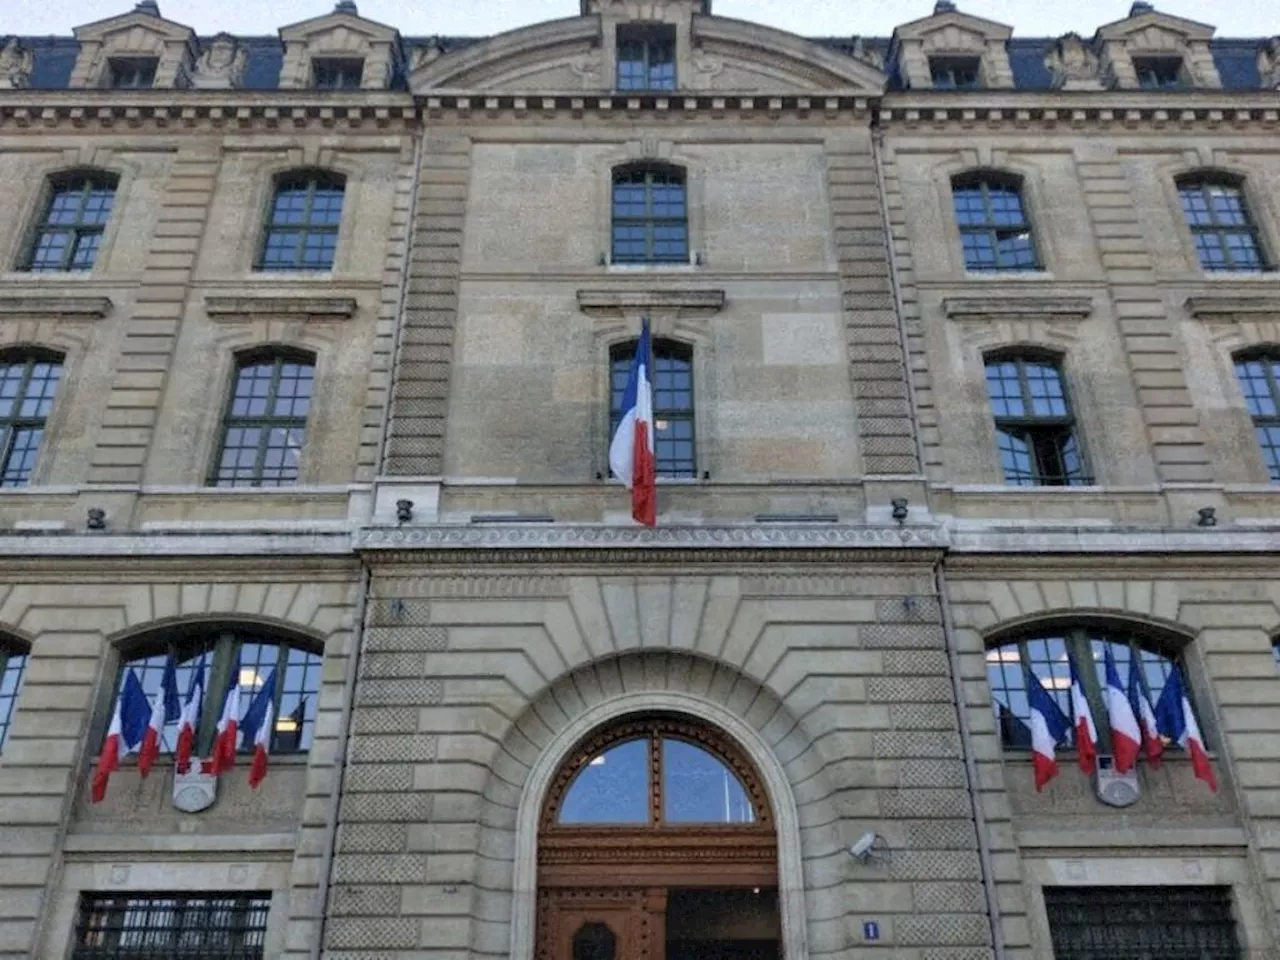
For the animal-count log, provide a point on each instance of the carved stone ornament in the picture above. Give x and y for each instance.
(221, 64)
(15, 65)
(1074, 64)
(588, 69)
(861, 52)
(194, 791)
(431, 49)
(1269, 64)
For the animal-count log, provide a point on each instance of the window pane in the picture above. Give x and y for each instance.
(699, 788)
(70, 232)
(27, 392)
(230, 926)
(611, 788)
(150, 673)
(302, 229)
(12, 667)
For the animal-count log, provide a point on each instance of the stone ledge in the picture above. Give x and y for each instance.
(309, 308)
(202, 843)
(54, 305)
(1131, 836)
(962, 308)
(621, 301)
(1232, 305)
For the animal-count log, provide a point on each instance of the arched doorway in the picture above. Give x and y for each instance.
(657, 842)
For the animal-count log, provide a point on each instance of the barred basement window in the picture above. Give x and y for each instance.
(166, 926)
(297, 667)
(1135, 923)
(28, 387)
(1259, 375)
(1035, 427)
(302, 227)
(266, 420)
(1046, 656)
(69, 233)
(1224, 232)
(13, 663)
(995, 233)
(650, 215)
(673, 415)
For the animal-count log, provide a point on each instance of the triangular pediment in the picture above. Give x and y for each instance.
(135, 20)
(955, 21)
(338, 20)
(1162, 22)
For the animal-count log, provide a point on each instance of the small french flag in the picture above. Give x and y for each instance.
(128, 726)
(1126, 738)
(1048, 726)
(259, 721)
(224, 744)
(631, 456)
(190, 718)
(1178, 723)
(1152, 745)
(165, 708)
(1082, 720)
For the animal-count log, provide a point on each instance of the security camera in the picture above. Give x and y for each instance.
(863, 849)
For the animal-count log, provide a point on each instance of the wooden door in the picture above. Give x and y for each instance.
(596, 924)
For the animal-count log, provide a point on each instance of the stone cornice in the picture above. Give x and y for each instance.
(1081, 109)
(464, 104)
(1115, 542)
(657, 298)
(54, 305)
(307, 307)
(1231, 305)
(140, 547)
(1056, 307)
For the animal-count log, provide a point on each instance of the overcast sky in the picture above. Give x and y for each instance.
(1251, 18)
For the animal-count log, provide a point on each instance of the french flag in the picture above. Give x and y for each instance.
(631, 453)
(1126, 737)
(1152, 745)
(190, 718)
(165, 708)
(1082, 720)
(128, 726)
(259, 721)
(1178, 723)
(1048, 726)
(224, 744)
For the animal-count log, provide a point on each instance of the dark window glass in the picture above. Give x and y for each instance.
(650, 216)
(28, 386)
(302, 227)
(266, 423)
(335, 73)
(1224, 233)
(1142, 923)
(297, 683)
(1046, 656)
(646, 57)
(1035, 428)
(1158, 73)
(955, 73)
(69, 233)
(13, 663)
(1259, 377)
(132, 73)
(169, 926)
(994, 231)
(672, 404)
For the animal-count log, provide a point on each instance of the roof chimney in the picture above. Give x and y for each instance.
(1140, 7)
(944, 6)
(149, 7)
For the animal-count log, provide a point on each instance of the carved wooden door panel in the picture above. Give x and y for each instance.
(601, 924)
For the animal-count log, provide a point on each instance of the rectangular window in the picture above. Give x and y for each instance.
(956, 73)
(132, 73)
(337, 73)
(646, 57)
(163, 926)
(1158, 73)
(1163, 923)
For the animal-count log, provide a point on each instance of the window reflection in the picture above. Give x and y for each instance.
(612, 788)
(698, 788)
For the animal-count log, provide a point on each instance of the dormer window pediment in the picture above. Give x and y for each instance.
(953, 51)
(1150, 50)
(139, 50)
(339, 51)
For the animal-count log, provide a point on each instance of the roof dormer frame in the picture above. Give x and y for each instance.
(141, 33)
(342, 34)
(1148, 33)
(950, 33)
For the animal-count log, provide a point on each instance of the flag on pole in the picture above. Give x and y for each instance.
(164, 709)
(259, 720)
(1126, 737)
(1152, 745)
(128, 726)
(224, 744)
(631, 455)
(1048, 726)
(1082, 720)
(190, 717)
(1177, 721)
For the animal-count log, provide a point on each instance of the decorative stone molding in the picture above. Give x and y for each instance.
(342, 34)
(306, 308)
(626, 302)
(1055, 308)
(949, 33)
(1268, 64)
(54, 305)
(1146, 33)
(16, 61)
(221, 64)
(1200, 111)
(1074, 64)
(1232, 306)
(141, 33)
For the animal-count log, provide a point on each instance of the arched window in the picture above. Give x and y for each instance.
(1259, 375)
(650, 215)
(1048, 655)
(672, 403)
(302, 226)
(1218, 217)
(995, 232)
(13, 664)
(297, 665)
(266, 420)
(69, 232)
(1035, 427)
(28, 385)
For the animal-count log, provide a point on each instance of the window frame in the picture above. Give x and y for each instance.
(1269, 357)
(278, 358)
(649, 38)
(315, 180)
(82, 182)
(986, 182)
(667, 349)
(331, 73)
(139, 72)
(251, 909)
(1202, 184)
(12, 424)
(11, 650)
(1148, 65)
(1038, 430)
(671, 175)
(946, 66)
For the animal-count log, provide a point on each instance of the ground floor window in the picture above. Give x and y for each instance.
(1141, 923)
(161, 926)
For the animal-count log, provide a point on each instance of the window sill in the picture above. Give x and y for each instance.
(1022, 276)
(673, 267)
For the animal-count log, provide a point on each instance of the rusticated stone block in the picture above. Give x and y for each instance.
(935, 865)
(918, 804)
(917, 663)
(421, 692)
(948, 897)
(901, 636)
(352, 868)
(942, 835)
(364, 901)
(373, 838)
(384, 720)
(404, 638)
(966, 929)
(908, 609)
(378, 664)
(385, 932)
(395, 612)
(909, 689)
(380, 778)
(393, 807)
(895, 744)
(932, 773)
(923, 716)
(416, 748)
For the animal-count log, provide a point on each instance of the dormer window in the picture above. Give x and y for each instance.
(132, 73)
(956, 73)
(1158, 73)
(646, 56)
(337, 73)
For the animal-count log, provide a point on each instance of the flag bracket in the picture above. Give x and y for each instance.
(195, 790)
(1114, 788)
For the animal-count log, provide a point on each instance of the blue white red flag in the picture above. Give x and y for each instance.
(1082, 721)
(128, 726)
(1126, 737)
(1152, 744)
(164, 704)
(189, 719)
(224, 744)
(1048, 726)
(1178, 722)
(631, 456)
(259, 721)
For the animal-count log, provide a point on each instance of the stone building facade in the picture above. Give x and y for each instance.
(966, 357)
